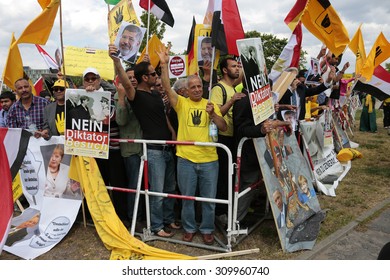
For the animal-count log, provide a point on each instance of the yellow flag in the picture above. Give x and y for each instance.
(123, 11)
(357, 47)
(38, 31)
(322, 21)
(154, 45)
(13, 69)
(380, 52)
(110, 228)
(44, 3)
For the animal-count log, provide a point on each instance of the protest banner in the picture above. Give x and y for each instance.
(253, 63)
(294, 203)
(88, 123)
(123, 11)
(54, 199)
(78, 59)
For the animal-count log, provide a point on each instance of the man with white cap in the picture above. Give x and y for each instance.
(91, 80)
(112, 169)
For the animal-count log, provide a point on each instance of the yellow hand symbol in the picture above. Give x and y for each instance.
(60, 123)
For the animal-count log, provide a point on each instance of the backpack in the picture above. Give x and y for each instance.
(224, 94)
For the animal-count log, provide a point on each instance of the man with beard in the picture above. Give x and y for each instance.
(206, 51)
(7, 98)
(224, 95)
(129, 43)
(148, 108)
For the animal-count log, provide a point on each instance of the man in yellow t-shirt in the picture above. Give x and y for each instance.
(197, 166)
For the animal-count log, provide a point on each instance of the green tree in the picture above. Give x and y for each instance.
(155, 27)
(272, 47)
(387, 66)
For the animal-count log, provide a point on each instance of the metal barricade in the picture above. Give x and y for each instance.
(233, 228)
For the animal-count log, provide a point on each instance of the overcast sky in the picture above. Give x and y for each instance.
(85, 24)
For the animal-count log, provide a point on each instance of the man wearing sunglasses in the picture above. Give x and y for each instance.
(148, 107)
(54, 113)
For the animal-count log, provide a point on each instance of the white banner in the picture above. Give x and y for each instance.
(54, 200)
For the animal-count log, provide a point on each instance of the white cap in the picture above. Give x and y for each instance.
(90, 70)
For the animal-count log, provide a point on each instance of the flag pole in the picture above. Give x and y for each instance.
(147, 31)
(211, 73)
(62, 45)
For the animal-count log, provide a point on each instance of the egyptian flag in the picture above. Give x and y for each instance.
(13, 146)
(294, 16)
(50, 62)
(378, 86)
(290, 55)
(160, 9)
(226, 27)
(192, 64)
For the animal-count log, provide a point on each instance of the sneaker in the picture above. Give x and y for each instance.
(163, 233)
(188, 236)
(208, 238)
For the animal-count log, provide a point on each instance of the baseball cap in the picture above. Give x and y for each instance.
(60, 83)
(90, 70)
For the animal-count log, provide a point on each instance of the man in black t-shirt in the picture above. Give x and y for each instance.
(148, 107)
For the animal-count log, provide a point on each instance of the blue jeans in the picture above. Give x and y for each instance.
(132, 164)
(161, 168)
(190, 176)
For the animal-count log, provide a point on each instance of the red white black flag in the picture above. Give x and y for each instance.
(226, 27)
(50, 62)
(378, 86)
(160, 9)
(13, 146)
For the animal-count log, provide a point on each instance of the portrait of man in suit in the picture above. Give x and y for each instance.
(281, 219)
(205, 50)
(128, 41)
(24, 226)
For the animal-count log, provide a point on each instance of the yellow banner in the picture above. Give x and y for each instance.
(110, 228)
(123, 11)
(17, 189)
(78, 59)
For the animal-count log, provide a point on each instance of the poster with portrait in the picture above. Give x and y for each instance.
(123, 11)
(314, 73)
(291, 117)
(205, 50)
(87, 126)
(287, 177)
(256, 80)
(53, 198)
(128, 41)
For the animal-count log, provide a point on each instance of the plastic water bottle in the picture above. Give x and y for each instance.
(213, 131)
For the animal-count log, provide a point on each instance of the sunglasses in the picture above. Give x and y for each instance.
(153, 74)
(90, 79)
(55, 89)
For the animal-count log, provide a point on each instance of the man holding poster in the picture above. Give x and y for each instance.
(86, 136)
